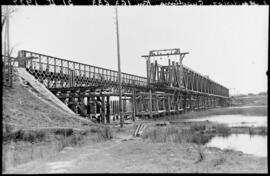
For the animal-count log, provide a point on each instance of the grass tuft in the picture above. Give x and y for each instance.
(173, 134)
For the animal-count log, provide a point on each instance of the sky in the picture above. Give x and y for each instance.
(228, 43)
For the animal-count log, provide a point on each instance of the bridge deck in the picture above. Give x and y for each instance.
(56, 73)
(87, 89)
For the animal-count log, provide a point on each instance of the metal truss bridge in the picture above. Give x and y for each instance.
(169, 88)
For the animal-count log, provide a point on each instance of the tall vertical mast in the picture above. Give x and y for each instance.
(7, 34)
(119, 70)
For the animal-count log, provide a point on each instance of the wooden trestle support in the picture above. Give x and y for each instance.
(91, 91)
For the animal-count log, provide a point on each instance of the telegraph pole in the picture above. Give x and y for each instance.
(7, 43)
(7, 30)
(119, 70)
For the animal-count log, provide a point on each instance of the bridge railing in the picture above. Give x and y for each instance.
(81, 72)
(58, 73)
(197, 82)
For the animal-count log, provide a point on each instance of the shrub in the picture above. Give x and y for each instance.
(168, 134)
(172, 134)
(94, 129)
(197, 127)
(40, 135)
(64, 131)
(222, 129)
(29, 136)
(200, 139)
(75, 139)
(155, 134)
(104, 131)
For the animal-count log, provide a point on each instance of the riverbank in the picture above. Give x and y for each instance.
(26, 145)
(127, 154)
(236, 110)
(199, 118)
(165, 146)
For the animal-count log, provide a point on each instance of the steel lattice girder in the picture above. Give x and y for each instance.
(60, 73)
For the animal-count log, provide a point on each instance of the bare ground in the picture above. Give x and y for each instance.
(129, 155)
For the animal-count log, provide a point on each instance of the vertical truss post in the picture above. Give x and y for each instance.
(169, 105)
(103, 109)
(133, 105)
(150, 103)
(108, 110)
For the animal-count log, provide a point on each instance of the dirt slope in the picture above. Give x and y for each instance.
(28, 105)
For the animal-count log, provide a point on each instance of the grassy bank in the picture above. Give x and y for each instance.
(250, 111)
(22, 146)
(195, 132)
(35, 126)
(261, 130)
(260, 99)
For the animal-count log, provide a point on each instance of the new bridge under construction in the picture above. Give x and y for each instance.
(93, 92)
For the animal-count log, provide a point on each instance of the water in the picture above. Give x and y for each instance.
(250, 144)
(241, 107)
(236, 120)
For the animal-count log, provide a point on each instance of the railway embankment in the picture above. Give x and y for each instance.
(36, 125)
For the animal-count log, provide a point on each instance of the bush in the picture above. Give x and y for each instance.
(200, 139)
(103, 131)
(156, 134)
(172, 134)
(197, 127)
(24, 135)
(75, 139)
(94, 129)
(168, 134)
(40, 135)
(29, 136)
(64, 131)
(222, 129)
